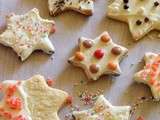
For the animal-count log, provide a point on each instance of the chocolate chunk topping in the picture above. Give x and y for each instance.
(138, 22)
(94, 68)
(116, 50)
(125, 6)
(87, 43)
(156, 3)
(146, 19)
(125, 1)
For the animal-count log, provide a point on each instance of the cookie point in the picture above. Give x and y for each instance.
(50, 82)
(99, 53)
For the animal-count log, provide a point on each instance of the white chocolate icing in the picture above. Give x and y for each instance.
(40, 102)
(26, 33)
(102, 63)
(138, 10)
(144, 76)
(82, 6)
(104, 110)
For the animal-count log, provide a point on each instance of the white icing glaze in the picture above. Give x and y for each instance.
(143, 75)
(83, 6)
(138, 10)
(40, 101)
(104, 110)
(26, 33)
(102, 63)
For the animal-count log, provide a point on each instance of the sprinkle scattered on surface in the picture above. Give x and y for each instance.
(69, 116)
(88, 98)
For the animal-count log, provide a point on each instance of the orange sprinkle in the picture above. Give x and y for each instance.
(14, 103)
(79, 56)
(105, 38)
(154, 67)
(152, 73)
(112, 66)
(11, 90)
(20, 117)
(1, 111)
(7, 115)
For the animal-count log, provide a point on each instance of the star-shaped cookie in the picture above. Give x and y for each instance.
(99, 56)
(150, 75)
(28, 32)
(30, 99)
(141, 15)
(104, 110)
(85, 7)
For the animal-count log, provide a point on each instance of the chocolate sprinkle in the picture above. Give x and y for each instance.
(146, 19)
(156, 3)
(138, 22)
(125, 6)
(125, 1)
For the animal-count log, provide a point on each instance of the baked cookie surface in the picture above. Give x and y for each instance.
(30, 99)
(85, 7)
(28, 32)
(150, 75)
(99, 57)
(141, 15)
(103, 110)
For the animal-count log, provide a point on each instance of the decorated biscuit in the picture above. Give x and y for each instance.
(141, 15)
(150, 75)
(30, 99)
(85, 7)
(104, 110)
(28, 32)
(98, 57)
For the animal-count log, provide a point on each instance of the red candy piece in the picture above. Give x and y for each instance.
(11, 90)
(50, 82)
(152, 81)
(14, 103)
(99, 53)
(152, 74)
(20, 117)
(79, 56)
(154, 67)
(1, 111)
(69, 100)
